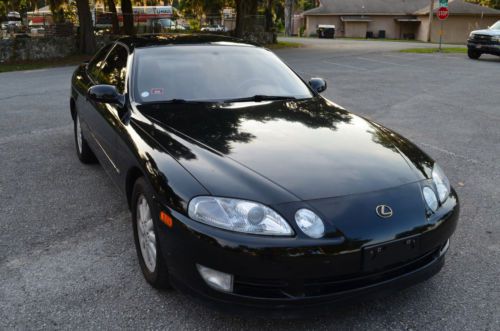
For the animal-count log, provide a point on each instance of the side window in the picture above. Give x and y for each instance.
(96, 63)
(114, 69)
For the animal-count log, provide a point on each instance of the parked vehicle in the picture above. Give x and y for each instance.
(166, 25)
(250, 189)
(326, 31)
(13, 23)
(214, 28)
(484, 42)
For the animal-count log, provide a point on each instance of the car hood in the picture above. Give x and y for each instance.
(487, 32)
(310, 149)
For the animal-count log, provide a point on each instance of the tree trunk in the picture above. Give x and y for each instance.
(86, 42)
(288, 17)
(246, 11)
(269, 15)
(114, 16)
(128, 18)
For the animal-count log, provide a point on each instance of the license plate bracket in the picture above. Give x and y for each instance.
(389, 253)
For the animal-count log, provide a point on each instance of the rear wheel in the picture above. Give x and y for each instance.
(83, 150)
(145, 221)
(473, 54)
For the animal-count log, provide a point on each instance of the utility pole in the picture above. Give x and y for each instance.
(431, 16)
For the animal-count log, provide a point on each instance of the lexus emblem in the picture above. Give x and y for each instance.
(384, 211)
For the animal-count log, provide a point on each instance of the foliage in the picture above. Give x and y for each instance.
(21, 6)
(488, 3)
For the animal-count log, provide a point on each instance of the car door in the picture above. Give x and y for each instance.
(82, 84)
(105, 118)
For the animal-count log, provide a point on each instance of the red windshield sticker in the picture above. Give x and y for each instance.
(157, 91)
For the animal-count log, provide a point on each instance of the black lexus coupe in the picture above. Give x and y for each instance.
(246, 186)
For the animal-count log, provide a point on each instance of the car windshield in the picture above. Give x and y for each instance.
(495, 26)
(212, 73)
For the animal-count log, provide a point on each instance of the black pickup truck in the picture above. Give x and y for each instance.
(484, 42)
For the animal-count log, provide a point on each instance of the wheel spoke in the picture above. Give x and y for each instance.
(146, 234)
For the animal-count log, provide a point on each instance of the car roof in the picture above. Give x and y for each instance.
(152, 40)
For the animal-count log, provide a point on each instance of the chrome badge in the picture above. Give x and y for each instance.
(384, 211)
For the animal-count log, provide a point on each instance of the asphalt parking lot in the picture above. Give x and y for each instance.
(67, 258)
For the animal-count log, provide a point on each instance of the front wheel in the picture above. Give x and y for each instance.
(473, 54)
(145, 221)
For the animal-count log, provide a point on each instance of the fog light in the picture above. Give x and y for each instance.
(216, 279)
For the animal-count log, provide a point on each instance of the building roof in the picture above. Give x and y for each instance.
(368, 7)
(394, 7)
(461, 7)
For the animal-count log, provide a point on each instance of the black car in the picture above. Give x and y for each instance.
(246, 186)
(484, 42)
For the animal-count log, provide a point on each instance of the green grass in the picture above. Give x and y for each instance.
(71, 60)
(284, 44)
(457, 50)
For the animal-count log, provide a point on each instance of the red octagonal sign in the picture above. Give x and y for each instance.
(443, 13)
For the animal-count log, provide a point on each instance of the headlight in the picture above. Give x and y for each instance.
(471, 35)
(430, 198)
(238, 215)
(310, 223)
(442, 183)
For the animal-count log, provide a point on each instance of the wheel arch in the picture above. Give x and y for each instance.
(72, 107)
(132, 175)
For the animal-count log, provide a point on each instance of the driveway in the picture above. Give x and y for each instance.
(67, 258)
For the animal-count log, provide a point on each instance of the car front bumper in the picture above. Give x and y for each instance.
(486, 48)
(288, 273)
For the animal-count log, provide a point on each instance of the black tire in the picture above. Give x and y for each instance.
(83, 151)
(159, 277)
(473, 54)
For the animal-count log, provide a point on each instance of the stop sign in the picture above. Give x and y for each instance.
(443, 13)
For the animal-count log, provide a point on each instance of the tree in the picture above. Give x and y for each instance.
(86, 42)
(288, 17)
(269, 15)
(246, 10)
(488, 3)
(114, 16)
(128, 17)
(56, 7)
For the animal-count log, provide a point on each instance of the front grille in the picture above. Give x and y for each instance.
(482, 39)
(268, 288)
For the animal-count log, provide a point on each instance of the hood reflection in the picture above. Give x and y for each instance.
(220, 125)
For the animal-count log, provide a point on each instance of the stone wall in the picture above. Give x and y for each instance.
(23, 49)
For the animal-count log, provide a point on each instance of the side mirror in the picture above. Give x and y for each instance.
(318, 84)
(106, 94)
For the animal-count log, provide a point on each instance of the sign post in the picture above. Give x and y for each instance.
(442, 14)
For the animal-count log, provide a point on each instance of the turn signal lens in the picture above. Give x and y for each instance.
(166, 219)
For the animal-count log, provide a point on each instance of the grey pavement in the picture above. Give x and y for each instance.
(67, 258)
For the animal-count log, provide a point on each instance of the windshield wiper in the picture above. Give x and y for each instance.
(261, 97)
